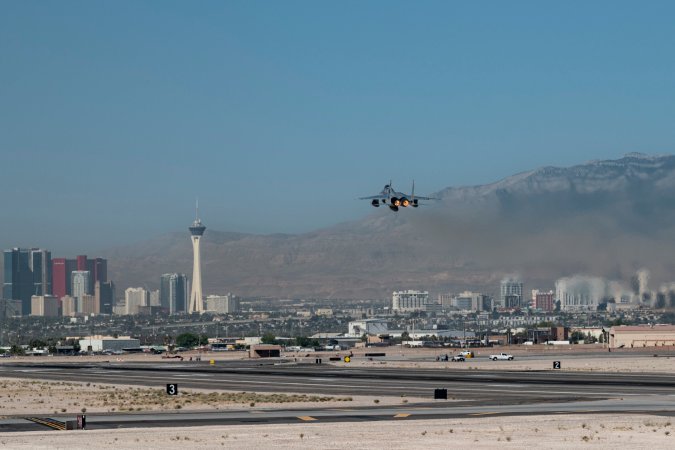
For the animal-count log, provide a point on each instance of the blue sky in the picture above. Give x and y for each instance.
(114, 116)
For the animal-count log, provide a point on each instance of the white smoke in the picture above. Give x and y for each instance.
(586, 292)
(580, 292)
(619, 292)
(643, 281)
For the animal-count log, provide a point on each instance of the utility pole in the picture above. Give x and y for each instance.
(464, 328)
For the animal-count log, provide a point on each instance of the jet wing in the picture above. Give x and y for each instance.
(378, 197)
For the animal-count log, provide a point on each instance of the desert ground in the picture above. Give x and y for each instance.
(20, 397)
(559, 432)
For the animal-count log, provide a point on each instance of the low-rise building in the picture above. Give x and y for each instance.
(45, 306)
(264, 351)
(617, 307)
(152, 310)
(629, 336)
(375, 327)
(324, 312)
(100, 343)
(594, 332)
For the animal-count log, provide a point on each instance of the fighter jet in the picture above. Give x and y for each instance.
(394, 199)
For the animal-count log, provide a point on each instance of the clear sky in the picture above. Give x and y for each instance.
(114, 116)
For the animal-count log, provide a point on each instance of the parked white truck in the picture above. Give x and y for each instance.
(501, 356)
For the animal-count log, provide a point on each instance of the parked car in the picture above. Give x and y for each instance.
(467, 353)
(458, 358)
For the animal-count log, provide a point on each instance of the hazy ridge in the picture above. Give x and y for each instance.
(604, 218)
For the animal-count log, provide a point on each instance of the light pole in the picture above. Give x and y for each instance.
(464, 329)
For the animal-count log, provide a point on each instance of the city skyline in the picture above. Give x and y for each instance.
(29, 278)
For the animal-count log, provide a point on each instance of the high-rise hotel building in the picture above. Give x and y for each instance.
(27, 272)
(63, 268)
(173, 292)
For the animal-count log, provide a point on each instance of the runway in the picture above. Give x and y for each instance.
(439, 410)
(332, 380)
(471, 393)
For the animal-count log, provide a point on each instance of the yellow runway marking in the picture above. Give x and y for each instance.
(56, 425)
(306, 418)
(401, 415)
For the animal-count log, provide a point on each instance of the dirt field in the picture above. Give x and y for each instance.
(23, 396)
(559, 432)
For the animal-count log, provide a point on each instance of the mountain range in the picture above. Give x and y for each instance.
(605, 218)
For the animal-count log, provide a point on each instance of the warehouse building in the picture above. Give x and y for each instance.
(102, 343)
(639, 336)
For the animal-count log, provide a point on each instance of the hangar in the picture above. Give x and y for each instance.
(264, 351)
(637, 336)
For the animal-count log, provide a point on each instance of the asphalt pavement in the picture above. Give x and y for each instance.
(471, 393)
